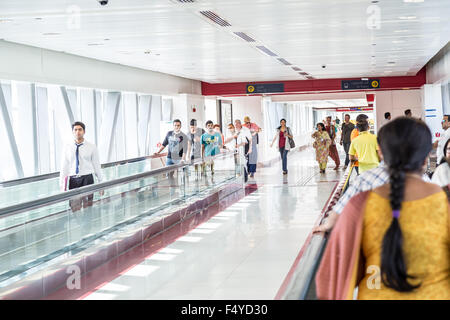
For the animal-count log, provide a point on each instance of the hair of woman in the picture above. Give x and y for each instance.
(280, 123)
(444, 158)
(405, 144)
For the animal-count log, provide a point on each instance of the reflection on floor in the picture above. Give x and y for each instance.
(243, 252)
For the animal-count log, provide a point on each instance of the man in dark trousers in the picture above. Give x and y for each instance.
(333, 150)
(347, 128)
(79, 162)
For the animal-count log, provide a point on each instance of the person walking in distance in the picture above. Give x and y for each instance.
(194, 144)
(321, 143)
(177, 142)
(80, 160)
(245, 132)
(282, 142)
(240, 141)
(253, 158)
(387, 118)
(347, 128)
(364, 148)
(333, 150)
(211, 144)
(439, 144)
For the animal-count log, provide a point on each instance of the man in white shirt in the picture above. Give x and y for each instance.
(443, 139)
(80, 161)
(240, 141)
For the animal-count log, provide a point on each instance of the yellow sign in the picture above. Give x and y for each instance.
(251, 89)
(375, 84)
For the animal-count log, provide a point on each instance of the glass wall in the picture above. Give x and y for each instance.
(299, 117)
(35, 123)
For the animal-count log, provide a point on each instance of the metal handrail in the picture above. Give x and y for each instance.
(10, 183)
(89, 189)
(300, 287)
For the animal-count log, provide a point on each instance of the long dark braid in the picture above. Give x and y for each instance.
(405, 144)
(393, 267)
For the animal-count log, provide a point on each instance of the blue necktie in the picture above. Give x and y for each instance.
(77, 169)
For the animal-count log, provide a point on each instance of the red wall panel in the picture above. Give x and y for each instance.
(318, 85)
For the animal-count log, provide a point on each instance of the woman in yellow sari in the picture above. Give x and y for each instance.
(392, 242)
(321, 144)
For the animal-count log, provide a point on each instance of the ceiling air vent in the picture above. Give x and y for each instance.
(303, 73)
(283, 61)
(186, 1)
(296, 69)
(309, 77)
(266, 51)
(215, 18)
(244, 36)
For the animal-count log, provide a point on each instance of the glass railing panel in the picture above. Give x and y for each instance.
(63, 227)
(48, 187)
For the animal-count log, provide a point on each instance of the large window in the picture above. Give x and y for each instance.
(35, 123)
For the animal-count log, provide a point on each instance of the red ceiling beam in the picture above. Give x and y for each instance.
(318, 85)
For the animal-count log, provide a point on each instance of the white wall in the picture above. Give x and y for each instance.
(32, 64)
(432, 102)
(248, 106)
(396, 102)
(438, 69)
(210, 109)
(197, 102)
(183, 110)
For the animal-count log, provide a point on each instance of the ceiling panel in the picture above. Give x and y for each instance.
(175, 38)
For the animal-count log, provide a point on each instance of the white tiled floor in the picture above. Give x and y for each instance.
(244, 252)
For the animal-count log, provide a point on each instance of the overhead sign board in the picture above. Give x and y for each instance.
(265, 88)
(360, 84)
(354, 109)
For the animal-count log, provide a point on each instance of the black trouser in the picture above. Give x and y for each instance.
(346, 146)
(245, 168)
(76, 182)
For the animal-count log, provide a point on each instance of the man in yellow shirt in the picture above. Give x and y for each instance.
(364, 148)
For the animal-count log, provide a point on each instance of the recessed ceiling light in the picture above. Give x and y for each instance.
(401, 31)
(51, 34)
(95, 44)
(398, 41)
(407, 17)
(413, 1)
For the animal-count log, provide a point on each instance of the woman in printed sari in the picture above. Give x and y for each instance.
(392, 242)
(321, 144)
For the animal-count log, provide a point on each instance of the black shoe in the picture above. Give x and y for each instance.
(284, 172)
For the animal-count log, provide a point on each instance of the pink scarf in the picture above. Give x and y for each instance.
(342, 264)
